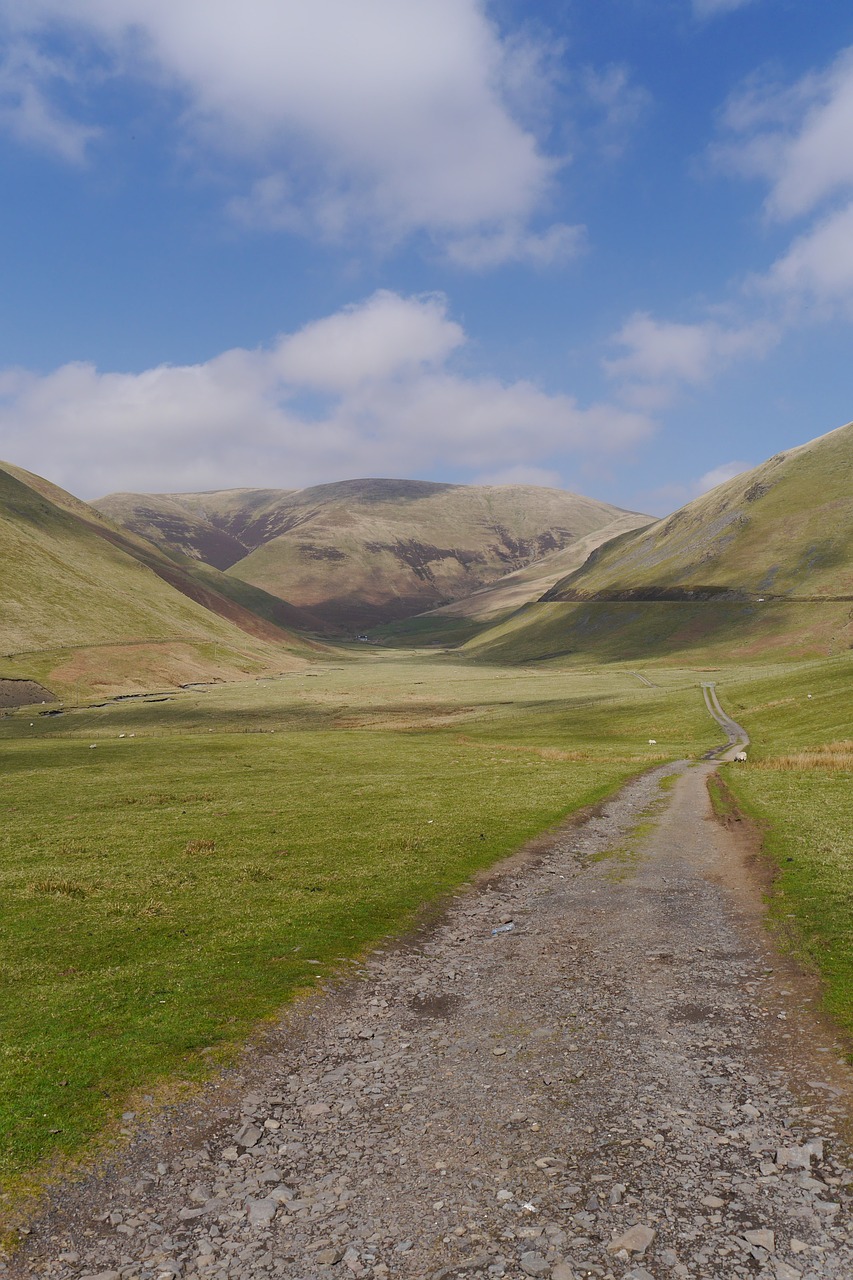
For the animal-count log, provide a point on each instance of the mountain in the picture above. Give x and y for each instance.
(464, 618)
(763, 562)
(84, 601)
(217, 528)
(363, 552)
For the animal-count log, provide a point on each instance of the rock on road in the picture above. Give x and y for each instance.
(592, 1066)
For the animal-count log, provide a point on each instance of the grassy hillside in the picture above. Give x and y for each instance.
(666, 631)
(85, 604)
(761, 565)
(781, 531)
(361, 552)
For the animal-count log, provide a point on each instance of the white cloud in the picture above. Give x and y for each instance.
(328, 402)
(719, 475)
(797, 137)
(668, 497)
(660, 351)
(26, 111)
(621, 105)
(393, 115)
(511, 243)
(710, 8)
(818, 266)
(541, 476)
(386, 336)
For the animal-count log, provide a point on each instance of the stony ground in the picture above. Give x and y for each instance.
(592, 1066)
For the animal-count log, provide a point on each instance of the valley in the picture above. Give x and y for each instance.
(219, 808)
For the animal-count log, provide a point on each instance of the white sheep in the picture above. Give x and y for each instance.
(741, 756)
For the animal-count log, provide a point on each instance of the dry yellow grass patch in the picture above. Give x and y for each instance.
(835, 756)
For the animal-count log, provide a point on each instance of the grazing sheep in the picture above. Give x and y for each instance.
(653, 742)
(741, 755)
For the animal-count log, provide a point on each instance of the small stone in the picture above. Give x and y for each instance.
(712, 1202)
(328, 1257)
(785, 1272)
(499, 1051)
(102, 1275)
(562, 1271)
(794, 1157)
(798, 1246)
(317, 1109)
(230, 1153)
(533, 1264)
(261, 1212)
(761, 1238)
(247, 1135)
(503, 1195)
(635, 1240)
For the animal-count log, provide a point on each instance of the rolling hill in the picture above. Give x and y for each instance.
(86, 604)
(362, 552)
(763, 562)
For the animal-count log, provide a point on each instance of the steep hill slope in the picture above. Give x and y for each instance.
(464, 618)
(763, 562)
(361, 552)
(784, 529)
(83, 601)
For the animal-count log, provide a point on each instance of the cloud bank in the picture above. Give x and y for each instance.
(381, 119)
(370, 390)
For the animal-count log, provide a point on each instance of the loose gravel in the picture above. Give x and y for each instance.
(594, 1065)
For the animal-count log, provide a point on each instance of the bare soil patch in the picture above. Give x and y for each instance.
(24, 693)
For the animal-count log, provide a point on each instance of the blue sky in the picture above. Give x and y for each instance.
(606, 246)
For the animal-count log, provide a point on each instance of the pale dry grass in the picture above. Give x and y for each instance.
(200, 846)
(834, 756)
(59, 888)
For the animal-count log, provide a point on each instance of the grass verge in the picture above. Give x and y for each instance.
(798, 785)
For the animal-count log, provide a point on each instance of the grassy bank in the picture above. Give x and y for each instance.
(166, 890)
(799, 785)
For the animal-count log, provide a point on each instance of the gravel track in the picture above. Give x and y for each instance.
(592, 1066)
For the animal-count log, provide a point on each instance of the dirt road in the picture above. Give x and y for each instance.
(592, 1066)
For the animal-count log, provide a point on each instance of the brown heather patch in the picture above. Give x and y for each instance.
(832, 756)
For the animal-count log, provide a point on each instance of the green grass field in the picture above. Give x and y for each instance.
(166, 891)
(798, 785)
